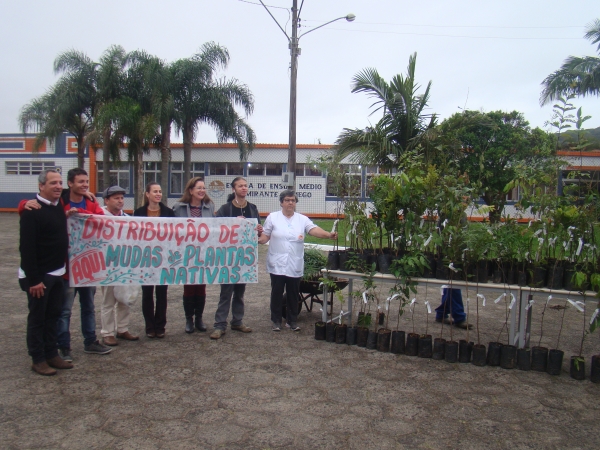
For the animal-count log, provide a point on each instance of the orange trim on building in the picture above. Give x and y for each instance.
(592, 168)
(594, 153)
(256, 146)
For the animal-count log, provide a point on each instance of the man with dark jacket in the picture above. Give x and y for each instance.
(77, 199)
(43, 246)
(236, 206)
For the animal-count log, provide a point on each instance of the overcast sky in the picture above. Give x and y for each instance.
(486, 55)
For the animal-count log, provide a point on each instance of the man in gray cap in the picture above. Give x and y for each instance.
(114, 314)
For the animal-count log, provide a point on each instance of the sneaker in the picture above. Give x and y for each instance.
(242, 328)
(65, 354)
(295, 327)
(97, 348)
(217, 333)
(276, 327)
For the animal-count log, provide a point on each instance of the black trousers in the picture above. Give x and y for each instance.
(292, 287)
(42, 318)
(156, 319)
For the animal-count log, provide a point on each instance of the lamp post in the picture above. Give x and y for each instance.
(294, 52)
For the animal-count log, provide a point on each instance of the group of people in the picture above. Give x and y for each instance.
(43, 273)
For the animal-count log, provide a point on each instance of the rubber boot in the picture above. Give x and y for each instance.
(199, 302)
(188, 309)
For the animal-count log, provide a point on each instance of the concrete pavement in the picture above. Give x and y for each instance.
(273, 390)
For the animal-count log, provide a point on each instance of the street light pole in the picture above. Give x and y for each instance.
(294, 52)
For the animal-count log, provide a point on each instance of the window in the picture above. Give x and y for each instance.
(152, 172)
(581, 182)
(226, 168)
(372, 171)
(348, 185)
(256, 169)
(12, 145)
(274, 169)
(28, 167)
(271, 169)
(235, 168)
(177, 181)
(119, 175)
(308, 170)
(217, 168)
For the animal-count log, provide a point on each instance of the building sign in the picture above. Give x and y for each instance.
(116, 251)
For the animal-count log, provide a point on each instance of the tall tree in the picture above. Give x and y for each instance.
(110, 88)
(488, 147)
(578, 75)
(403, 122)
(199, 98)
(135, 114)
(68, 106)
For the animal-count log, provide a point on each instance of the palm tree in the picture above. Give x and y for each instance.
(110, 88)
(578, 75)
(198, 99)
(403, 122)
(68, 106)
(134, 114)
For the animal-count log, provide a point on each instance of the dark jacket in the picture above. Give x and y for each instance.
(44, 241)
(229, 210)
(165, 211)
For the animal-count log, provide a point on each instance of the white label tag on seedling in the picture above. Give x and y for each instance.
(428, 241)
(577, 305)
(444, 223)
(549, 298)
(428, 307)
(500, 298)
(512, 302)
(482, 297)
(422, 222)
(334, 227)
(442, 287)
(537, 233)
(341, 315)
(594, 316)
(365, 297)
(412, 302)
(529, 305)
(579, 247)
(451, 267)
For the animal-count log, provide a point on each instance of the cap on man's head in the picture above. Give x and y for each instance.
(112, 191)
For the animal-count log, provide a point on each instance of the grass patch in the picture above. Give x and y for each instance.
(327, 224)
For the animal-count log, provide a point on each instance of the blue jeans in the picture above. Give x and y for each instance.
(454, 307)
(88, 316)
(225, 301)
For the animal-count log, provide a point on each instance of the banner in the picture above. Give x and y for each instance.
(113, 251)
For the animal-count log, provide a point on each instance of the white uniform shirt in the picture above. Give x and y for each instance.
(286, 243)
(108, 213)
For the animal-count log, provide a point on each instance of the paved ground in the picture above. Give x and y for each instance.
(265, 390)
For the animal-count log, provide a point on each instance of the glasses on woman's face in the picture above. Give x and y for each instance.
(289, 200)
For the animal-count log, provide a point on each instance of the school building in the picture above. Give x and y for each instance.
(218, 164)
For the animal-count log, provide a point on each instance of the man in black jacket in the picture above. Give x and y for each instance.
(236, 206)
(43, 246)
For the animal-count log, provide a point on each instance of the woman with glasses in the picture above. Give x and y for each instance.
(194, 202)
(285, 231)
